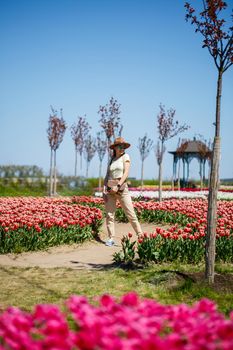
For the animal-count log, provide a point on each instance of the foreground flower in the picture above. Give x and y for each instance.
(129, 324)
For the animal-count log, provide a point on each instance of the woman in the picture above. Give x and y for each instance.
(116, 188)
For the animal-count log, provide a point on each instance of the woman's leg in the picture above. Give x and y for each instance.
(127, 205)
(110, 207)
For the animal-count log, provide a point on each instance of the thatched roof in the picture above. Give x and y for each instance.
(194, 147)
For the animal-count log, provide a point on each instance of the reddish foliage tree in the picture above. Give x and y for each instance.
(144, 146)
(167, 128)
(55, 131)
(79, 131)
(219, 43)
(110, 120)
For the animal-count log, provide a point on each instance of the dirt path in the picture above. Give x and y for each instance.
(90, 255)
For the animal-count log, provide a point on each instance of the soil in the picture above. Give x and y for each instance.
(223, 282)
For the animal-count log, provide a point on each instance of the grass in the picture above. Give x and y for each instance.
(16, 191)
(25, 287)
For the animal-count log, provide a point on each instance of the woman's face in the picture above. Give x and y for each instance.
(119, 150)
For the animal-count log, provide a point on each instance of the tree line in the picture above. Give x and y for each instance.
(85, 145)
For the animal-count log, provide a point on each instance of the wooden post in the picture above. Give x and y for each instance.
(183, 171)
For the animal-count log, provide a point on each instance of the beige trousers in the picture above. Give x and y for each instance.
(126, 203)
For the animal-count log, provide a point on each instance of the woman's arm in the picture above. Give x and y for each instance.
(106, 181)
(126, 172)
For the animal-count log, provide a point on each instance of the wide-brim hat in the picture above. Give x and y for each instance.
(119, 141)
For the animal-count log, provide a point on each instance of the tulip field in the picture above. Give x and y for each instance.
(151, 192)
(183, 239)
(37, 223)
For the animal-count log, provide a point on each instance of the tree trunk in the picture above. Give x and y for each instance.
(160, 171)
(76, 163)
(87, 169)
(81, 157)
(55, 175)
(142, 175)
(51, 174)
(100, 167)
(160, 181)
(109, 150)
(213, 191)
(212, 213)
(209, 165)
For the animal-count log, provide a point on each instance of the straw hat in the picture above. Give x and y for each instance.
(119, 141)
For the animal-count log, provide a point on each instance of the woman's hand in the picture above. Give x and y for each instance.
(114, 189)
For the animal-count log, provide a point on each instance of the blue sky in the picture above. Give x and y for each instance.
(76, 54)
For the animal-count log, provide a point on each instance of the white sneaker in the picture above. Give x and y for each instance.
(109, 243)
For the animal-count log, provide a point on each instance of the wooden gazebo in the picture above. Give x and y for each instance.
(188, 150)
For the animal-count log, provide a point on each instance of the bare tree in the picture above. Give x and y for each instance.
(55, 131)
(219, 43)
(110, 120)
(144, 146)
(101, 148)
(167, 128)
(89, 151)
(79, 131)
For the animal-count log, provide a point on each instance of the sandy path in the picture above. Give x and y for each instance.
(87, 255)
